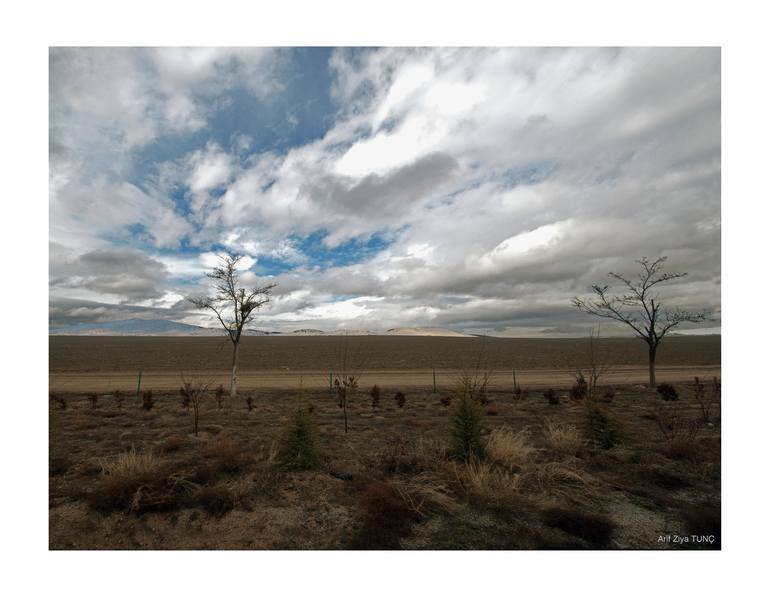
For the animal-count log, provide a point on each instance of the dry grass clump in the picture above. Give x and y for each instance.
(508, 448)
(216, 499)
(137, 482)
(227, 454)
(557, 479)
(485, 482)
(561, 437)
(425, 494)
(400, 456)
(173, 443)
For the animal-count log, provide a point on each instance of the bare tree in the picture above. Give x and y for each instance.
(640, 307)
(233, 306)
(193, 393)
(597, 364)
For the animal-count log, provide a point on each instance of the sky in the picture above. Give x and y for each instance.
(477, 189)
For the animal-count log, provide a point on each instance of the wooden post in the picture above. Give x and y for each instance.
(434, 380)
(139, 384)
(330, 381)
(514, 380)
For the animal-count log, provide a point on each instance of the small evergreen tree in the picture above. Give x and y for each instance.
(298, 442)
(465, 427)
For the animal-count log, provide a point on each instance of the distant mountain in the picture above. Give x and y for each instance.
(164, 327)
(135, 327)
(427, 331)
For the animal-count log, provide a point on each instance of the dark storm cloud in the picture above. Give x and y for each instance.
(124, 273)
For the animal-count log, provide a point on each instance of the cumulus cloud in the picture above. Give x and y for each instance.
(475, 188)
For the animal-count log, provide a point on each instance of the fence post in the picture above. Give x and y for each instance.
(139, 384)
(434, 380)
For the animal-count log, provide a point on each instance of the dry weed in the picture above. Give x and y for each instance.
(508, 448)
(562, 438)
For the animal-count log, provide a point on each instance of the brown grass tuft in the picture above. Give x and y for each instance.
(562, 438)
(508, 448)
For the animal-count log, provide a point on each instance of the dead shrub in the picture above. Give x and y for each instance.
(579, 390)
(219, 396)
(119, 398)
(594, 528)
(386, 517)
(445, 401)
(375, 394)
(508, 448)
(215, 499)
(561, 437)
(400, 398)
(147, 400)
(400, 456)
(675, 425)
(58, 399)
(682, 449)
(138, 482)
(173, 443)
(708, 401)
(426, 495)
(551, 396)
(667, 392)
(227, 454)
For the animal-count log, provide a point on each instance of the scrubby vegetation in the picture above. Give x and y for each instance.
(278, 471)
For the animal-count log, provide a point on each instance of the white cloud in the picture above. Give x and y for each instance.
(507, 179)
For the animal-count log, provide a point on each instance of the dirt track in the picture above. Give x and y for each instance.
(100, 381)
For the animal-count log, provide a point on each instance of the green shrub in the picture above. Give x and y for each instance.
(298, 441)
(599, 427)
(465, 427)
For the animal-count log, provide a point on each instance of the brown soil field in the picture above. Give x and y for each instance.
(107, 363)
(388, 482)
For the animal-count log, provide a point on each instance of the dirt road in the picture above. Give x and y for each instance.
(164, 380)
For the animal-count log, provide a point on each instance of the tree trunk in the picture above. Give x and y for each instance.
(652, 351)
(234, 375)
